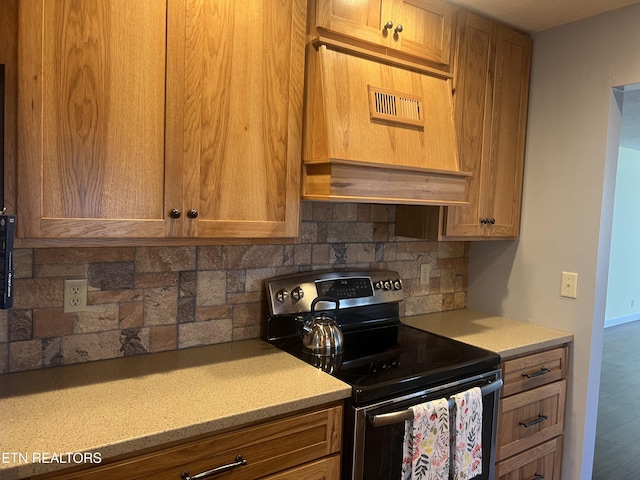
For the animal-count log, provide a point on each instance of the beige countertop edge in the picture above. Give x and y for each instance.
(507, 337)
(18, 471)
(98, 391)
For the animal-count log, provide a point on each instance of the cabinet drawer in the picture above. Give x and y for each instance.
(530, 418)
(268, 448)
(324, 469)
(532, 371)
(543, 461)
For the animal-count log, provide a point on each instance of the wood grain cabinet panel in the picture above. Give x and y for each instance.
(532, 371)
(160, 119)
(491, 77)
(421, 29)
(305, 446)
(541, 462)
(530, 418)
(91, 118)
(427, 29)
(356, 20)
(242, 119)
(491, 102)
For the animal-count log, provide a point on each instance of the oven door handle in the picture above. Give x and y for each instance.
(404, 415)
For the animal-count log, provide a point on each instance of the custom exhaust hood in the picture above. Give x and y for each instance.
(378, 133)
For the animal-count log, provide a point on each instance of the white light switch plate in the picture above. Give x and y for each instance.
(569, 285)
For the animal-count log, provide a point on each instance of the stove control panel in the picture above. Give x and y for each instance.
(294, 293)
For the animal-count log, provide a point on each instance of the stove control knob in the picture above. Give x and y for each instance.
(397, 284)
(386, 284)
(377, 285)
(282, 295)
(297, 293)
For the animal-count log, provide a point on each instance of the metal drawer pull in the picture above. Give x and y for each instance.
(537, 476)
(542, 371)
(541, 418)
(397, 417)
(215, 471)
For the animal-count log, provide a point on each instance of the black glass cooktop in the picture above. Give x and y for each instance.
(394, 358)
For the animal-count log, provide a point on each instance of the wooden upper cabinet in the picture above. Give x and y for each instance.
(422, 29)
(427, 29)
(242, 120)
(508, 130)
(160, 119)
(491, 97)
(91, 118)
(473, 103)
(491, 100)
(357, 20)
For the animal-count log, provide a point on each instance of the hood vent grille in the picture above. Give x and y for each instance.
(395, 107)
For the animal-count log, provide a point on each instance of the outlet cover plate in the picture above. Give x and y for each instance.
(75, 295)
(425, 272)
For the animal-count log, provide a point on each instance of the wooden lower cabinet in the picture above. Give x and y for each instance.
(302, 446)
(324, 469)
(531, 420)
(542, 462)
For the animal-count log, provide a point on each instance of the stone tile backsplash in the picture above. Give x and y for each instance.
(151, 299)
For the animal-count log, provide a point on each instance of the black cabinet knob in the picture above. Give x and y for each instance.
(175, 213)
(192, 213)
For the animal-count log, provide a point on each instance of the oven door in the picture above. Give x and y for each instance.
(376, 446)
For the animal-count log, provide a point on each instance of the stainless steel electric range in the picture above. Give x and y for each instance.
(389, 365)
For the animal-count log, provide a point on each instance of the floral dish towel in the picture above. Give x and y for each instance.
(467, 457)
(426, 442)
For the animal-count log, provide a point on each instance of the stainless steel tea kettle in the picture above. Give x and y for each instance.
(321, 334)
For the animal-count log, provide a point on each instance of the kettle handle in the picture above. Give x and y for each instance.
(324, 299)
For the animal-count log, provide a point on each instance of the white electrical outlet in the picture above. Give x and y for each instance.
(425, 271)
(569, 285)
(75, 295)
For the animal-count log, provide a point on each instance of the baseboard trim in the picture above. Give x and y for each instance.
(612, 322)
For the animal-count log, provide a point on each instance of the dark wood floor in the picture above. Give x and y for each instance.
(617, 453)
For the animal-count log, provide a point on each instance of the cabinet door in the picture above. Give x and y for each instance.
(491, 108)
(243, 87)
(427, 29)
(91, 160)
(363, 20)
(506, 162)
(540, 462)
(300, 446)
(473, 100)
(530, 418)
(325, 469)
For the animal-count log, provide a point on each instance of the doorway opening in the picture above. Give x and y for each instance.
(617, 443)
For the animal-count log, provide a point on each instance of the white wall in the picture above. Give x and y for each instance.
(567, 206)
(623, 295)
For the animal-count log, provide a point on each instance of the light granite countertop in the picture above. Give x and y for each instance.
(114, 407)
(509, 338)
